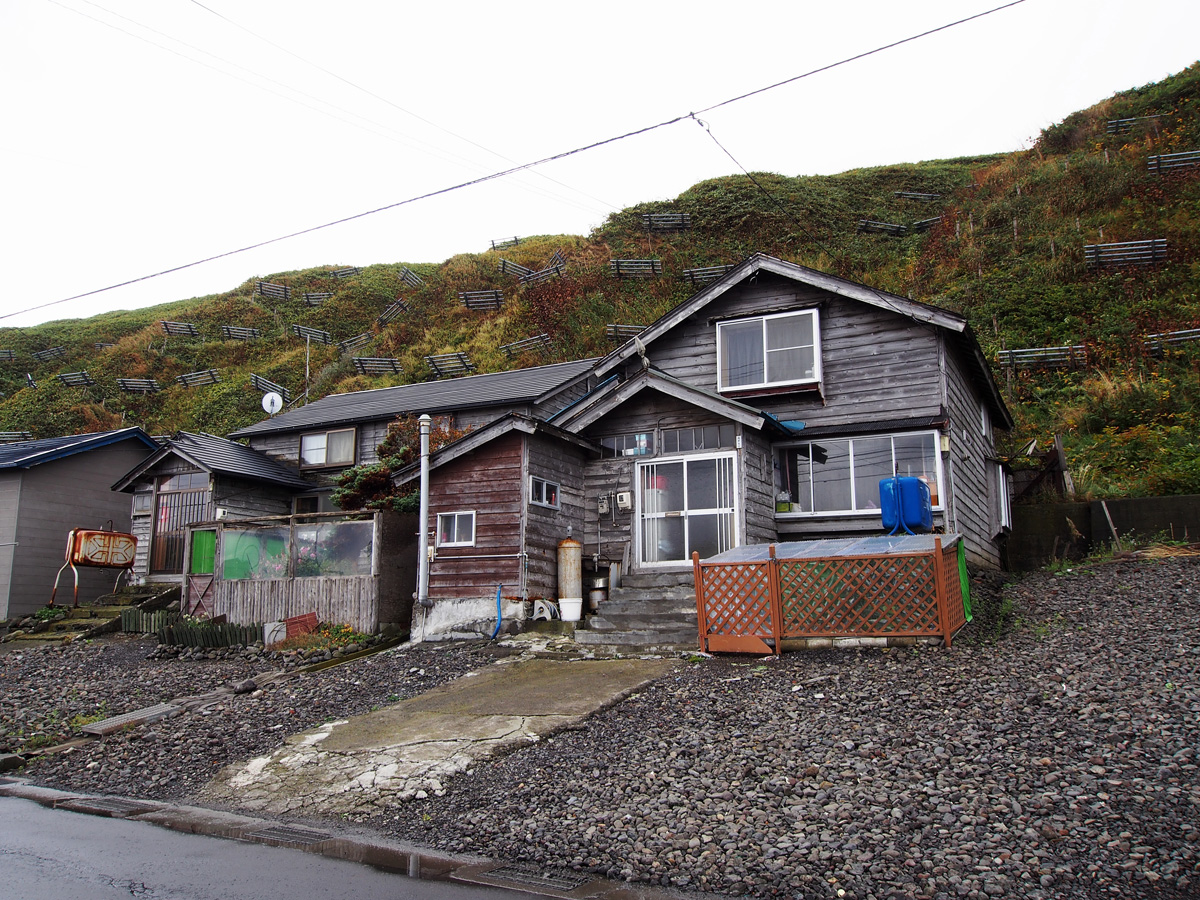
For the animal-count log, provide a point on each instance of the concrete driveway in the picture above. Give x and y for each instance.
(357, 766)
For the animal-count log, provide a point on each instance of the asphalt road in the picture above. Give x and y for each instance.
(50, 854)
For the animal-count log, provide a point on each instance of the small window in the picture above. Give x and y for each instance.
(768, 351)
(143, 503)
(456, 529)
(543, 493)
(702, 437)
(640, 444)
(328, 448)
(185, 481)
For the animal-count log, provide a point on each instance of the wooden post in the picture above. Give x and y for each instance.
(939, 581)
(701, 619)
(775, 600)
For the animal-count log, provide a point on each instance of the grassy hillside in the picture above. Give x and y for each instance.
(1007, 252)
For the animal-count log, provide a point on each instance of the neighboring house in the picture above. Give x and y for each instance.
(194, 478)
(329, 435)
(767, 407)
(48, 487)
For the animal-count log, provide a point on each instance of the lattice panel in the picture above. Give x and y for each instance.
(952, 585)
(860, 597)
(737, 599)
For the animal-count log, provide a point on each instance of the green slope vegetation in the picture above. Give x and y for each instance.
(1005, 249)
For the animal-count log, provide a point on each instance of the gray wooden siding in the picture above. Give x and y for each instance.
(875, 364)
(489, 483)
(969, 465)
(757, 469)
(349, 600)
(607, 477)
(545, 528)
(242, 499)
(57, 496)
(10, 504)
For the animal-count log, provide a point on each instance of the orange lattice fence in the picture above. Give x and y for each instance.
(752, 606)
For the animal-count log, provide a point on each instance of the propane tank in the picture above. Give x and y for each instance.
(570, 580)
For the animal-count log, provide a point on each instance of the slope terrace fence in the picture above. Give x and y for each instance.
(756, 599)
(1169, 162)
(1125, 253)
(1071, 356)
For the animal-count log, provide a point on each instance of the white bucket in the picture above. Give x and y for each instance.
(570, 608)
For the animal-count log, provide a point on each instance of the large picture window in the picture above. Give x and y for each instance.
(768, 351)
(841, 475)
(328, 448)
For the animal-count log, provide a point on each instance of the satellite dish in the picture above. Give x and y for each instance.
(272, 402)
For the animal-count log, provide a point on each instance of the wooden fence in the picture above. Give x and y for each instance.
(337, 599)
(753, 606)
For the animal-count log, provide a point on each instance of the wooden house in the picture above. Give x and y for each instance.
(192, 479)
(48, 487)
(766, 407)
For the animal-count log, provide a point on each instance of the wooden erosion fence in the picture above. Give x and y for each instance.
(753, 599)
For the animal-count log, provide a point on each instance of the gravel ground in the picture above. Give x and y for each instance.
(43, 688)
(1058, 759)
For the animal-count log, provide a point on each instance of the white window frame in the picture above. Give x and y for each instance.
(641, 515)
(325, 463)
(765, 320)
(459, 540)
(940, 506)
(537, 492)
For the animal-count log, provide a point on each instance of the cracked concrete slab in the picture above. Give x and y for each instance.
(357, 766)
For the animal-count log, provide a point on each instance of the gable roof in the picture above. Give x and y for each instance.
(952, 323)
(26, 454)
(470, 392)
(485, 435)
(218, 456)
(611, 394)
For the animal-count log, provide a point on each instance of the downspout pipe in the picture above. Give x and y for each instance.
(423, 533)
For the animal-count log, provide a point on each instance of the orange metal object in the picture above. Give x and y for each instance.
(96, 549)
(103, 549)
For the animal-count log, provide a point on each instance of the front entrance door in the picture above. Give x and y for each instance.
(684, 505)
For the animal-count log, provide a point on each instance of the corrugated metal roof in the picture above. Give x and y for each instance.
(471, 392)
(873, 545)
(214, 454)
(25, 454)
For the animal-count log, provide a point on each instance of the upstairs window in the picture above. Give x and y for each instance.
(328, 448)
(768, 351)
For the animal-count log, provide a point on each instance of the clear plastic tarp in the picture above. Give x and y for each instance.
(875, 545)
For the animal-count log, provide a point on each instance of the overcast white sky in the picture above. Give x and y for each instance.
(140, 135)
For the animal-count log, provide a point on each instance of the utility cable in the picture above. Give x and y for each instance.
(382, 99)
(397, 137)
(514, 169)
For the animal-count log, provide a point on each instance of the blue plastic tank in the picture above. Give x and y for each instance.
(906, 504)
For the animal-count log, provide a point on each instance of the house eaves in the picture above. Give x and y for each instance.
(485, 435)
(612, 394)
(26, 454)
(946, 320)
(215, 456)
(493, 389)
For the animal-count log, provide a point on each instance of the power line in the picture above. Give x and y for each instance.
(397, 137)
(386, 100)
(514, 169)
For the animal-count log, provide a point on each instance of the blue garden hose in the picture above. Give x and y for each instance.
(498, 620)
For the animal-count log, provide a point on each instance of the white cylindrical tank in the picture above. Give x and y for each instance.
(570, 580)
